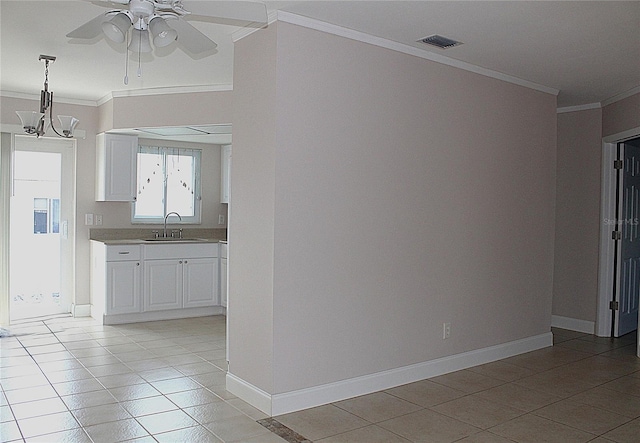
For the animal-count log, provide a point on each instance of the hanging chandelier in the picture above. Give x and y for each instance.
(37, 122)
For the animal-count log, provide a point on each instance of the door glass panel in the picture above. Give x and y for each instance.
(35, 248)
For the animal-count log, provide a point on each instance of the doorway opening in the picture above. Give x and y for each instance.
(41, 220)
(612, 207)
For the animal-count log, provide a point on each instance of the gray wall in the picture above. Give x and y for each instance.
(252, 210)
(575, 283)
(621, 116)
(397, 194)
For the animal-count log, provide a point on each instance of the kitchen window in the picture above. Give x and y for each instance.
(168, 180)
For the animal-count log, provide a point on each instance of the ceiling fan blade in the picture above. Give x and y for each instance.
(234, 10)
(89, 30)
(192, 39)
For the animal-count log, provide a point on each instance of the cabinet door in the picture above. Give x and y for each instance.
(200, 282)
(162, 284)
(116, 167)
(223, 282)
(225, 174)
(123, 288)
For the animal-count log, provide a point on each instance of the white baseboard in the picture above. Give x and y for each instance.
(170, 314)
(573, 324)
(278, 404)
(81, 310)
(249, 393)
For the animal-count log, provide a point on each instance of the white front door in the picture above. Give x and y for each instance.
(42, 214)
(628, 293)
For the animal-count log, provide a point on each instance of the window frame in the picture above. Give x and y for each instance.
(166, 151)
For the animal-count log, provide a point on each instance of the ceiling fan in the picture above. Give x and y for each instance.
(149, 20)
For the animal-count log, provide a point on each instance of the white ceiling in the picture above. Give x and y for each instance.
(588, 50)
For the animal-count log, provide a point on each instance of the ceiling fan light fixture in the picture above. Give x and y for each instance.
(140, 41)
(116, 28)
(163, 34)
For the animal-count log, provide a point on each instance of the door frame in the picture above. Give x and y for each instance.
(7, 148)
(608, 213)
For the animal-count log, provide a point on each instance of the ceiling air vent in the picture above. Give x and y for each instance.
(440, 41)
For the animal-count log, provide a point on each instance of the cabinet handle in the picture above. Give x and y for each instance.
(180, 262)
(123, 252)
(185, 262)
(137, 264)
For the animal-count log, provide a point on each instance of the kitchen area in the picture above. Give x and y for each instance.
(174, 265)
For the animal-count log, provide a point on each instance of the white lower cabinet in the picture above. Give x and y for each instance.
(200, 282)
(162, 284)
(153, 282)
(116, 279)
(180, 283)
(123, 287)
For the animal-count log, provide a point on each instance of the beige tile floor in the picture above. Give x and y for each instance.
(72, 380)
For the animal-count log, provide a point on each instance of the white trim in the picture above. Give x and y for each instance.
(165, 91)
(622, 96)
(36, 97)
(607, 212)
(605, 261)
(622, 136)
(249, 393)
(6, 190)
(127, 93)
(169, 314)
(340, 31)
(272, 16)
(578, 108)
(318, 395)
(81, 310)
(573, 324)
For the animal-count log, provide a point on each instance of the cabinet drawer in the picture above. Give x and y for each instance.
(123, 252)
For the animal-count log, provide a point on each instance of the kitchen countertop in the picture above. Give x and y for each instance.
(144, 236)
(138, 241)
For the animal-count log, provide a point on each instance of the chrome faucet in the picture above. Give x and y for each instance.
(164, 232)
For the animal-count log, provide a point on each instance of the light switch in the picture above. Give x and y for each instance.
(88, 219)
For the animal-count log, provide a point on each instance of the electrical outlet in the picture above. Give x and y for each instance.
(88, 219)
(446, 330)
(221, 219)
(98, 219)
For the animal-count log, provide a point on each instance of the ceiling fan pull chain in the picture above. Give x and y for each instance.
(126, 60)
(139, 57)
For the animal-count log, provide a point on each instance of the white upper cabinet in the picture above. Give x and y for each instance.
(116, 167)
(225, 174)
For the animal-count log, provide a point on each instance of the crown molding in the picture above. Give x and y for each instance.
(248, 30)
(340, 31)
(578, 108)
(622, 96)
(36, 97)
(164, 91)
